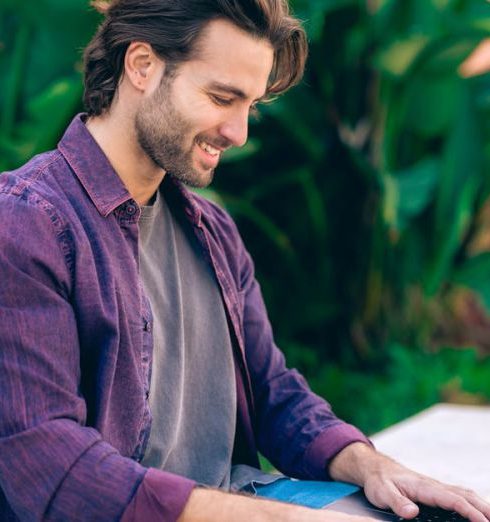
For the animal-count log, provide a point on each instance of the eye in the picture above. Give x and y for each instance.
(219, 100)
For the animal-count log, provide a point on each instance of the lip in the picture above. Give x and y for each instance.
(206, 159)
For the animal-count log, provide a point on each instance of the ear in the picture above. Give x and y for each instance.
(142, 67)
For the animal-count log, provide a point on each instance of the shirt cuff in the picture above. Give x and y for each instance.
(160, 496)
(326, 446)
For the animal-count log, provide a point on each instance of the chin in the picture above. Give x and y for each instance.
(197, 180)
(201, 178)
(201, 183)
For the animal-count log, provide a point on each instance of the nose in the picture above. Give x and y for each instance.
(235, 128)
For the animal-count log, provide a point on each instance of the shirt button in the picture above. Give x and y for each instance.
(147, 326)
(130, 210)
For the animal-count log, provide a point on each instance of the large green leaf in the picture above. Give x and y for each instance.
(432, 100)
(408, 192)
(16, 61)
(458, 187)
(46, 116)
(54, 45)
(40, 80)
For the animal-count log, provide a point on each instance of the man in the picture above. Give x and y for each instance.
(125, 297)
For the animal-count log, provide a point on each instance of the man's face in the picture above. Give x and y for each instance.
(203, 108)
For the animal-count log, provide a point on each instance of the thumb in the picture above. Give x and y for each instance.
(401, 505)
(406, 508)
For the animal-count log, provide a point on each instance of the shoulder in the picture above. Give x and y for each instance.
(29, 206)
(32, 188)
(31, 174)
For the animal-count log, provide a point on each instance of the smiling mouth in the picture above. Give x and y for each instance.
(212, 151)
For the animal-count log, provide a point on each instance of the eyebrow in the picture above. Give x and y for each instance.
(224, 87)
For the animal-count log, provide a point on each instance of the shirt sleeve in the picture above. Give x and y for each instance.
(52, 466)
(295, 428)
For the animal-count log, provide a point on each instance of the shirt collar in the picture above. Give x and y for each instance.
(92, 167)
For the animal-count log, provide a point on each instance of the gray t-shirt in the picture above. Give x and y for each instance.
(192, 392)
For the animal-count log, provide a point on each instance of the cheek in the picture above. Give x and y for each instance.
(200, 114)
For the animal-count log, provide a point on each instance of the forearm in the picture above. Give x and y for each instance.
(67, 466)
(355, 462)
(206, 505)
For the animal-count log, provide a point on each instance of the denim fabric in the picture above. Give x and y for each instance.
(76, 343)
(312, 494)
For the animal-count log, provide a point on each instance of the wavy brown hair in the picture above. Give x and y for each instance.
(172, 28)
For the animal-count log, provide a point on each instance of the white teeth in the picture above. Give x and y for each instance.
(207, 147)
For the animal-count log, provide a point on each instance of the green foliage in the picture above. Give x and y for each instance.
(361, 194)
(413, 380)
(390, 138)
(40, 45)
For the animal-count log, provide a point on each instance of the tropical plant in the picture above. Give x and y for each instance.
(366, 205)
(40, 73)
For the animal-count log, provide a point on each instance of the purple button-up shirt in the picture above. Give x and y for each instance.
(76, 345)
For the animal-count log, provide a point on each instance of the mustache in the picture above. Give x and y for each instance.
(217, 142)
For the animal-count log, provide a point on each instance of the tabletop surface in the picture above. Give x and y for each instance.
(448, 442)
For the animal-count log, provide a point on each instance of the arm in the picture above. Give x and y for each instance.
(215, 506)
(296, 429)
(388, 484)
(301, 436)
(52, 466)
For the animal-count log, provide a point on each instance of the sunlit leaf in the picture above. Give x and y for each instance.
(459, 181)
(57, 105)
(408, 192)
(397, 59)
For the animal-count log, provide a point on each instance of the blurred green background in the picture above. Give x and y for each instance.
(362, 194)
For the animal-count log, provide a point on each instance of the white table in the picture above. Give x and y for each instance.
(448, 442)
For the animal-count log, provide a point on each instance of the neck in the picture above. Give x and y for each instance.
(116, 136)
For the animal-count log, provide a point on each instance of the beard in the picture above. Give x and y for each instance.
(165, 135)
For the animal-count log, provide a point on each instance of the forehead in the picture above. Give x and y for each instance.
(230, 56)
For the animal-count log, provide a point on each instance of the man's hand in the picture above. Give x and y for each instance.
(206, 505)
(388, 484)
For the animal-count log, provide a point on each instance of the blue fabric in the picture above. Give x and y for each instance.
(313, 494)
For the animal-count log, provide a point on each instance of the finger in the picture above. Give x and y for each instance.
(451, 501)
(475, 500)
(391, 497)
(483, 506)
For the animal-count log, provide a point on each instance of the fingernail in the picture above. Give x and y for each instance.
(409, 510)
